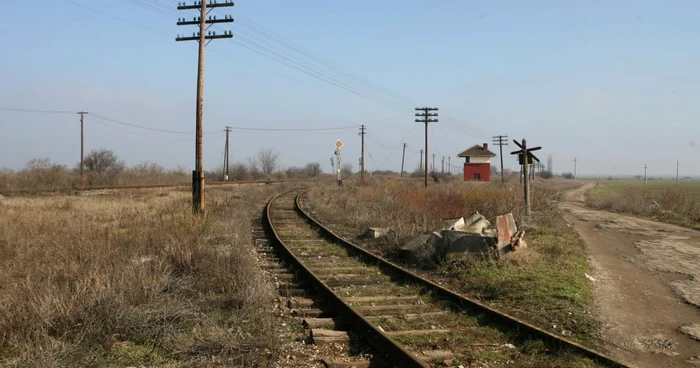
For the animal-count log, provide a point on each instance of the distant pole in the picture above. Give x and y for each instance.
(362, 133)
(432, 166)
(82, 149)
(677, 164)
(526, 168)
(425, 117)
(443, 165)
(403, 156)
(227, 130)
(500, 141)
(449, 164)
(575, 161)
(645, 173)
(421, 161)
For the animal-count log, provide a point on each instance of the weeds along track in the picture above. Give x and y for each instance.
(412, 321)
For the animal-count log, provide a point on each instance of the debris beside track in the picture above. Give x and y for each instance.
(459, 235)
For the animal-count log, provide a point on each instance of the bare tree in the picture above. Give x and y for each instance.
(266, 160)
(102, 166)
(313, 169)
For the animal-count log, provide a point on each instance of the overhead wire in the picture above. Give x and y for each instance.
(37, 111)
(279, 56)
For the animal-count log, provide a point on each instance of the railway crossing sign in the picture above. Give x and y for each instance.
(521, 157)
(338, 144)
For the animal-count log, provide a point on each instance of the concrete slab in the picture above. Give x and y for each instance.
(453, 224)
(376, 232)
(461, 241)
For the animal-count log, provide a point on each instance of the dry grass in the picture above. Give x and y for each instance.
(544, 283)
(132, 279)
(659, 199)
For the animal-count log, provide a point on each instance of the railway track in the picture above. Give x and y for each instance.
(412, 321)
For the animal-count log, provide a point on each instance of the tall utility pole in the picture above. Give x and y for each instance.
(425, 117)
(645, 173)
(421, 161)
(362, 157)
(432, 166)
(501, 140)
(403, 156)
(82, 148)
(575, 160)
(449, 164)
(227, 130)
(443, 165)
(201, 37)
(677, 165)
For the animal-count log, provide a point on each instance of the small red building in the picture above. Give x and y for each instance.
(477, 163)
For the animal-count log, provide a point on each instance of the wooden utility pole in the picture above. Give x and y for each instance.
(421, 161)
(677, 165)
(432, 166)
(82, 148)
(645, 173)
(403, 156)
(575, 161)
(425, 117)
(500, 141)
(449, 164)
(443, 165)
(226, 155)
(362, 133)
(201, 37)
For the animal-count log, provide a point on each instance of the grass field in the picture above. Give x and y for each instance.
(657, 199)
(132, 278)
(544, 284)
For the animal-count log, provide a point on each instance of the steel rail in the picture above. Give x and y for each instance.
(396, 353)
(522, 327)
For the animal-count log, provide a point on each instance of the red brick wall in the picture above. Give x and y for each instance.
(483, 169)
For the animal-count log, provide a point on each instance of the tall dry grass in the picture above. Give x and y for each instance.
(675, 205)
(132, 279)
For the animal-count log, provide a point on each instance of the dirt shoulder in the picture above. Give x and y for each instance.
(647, 283)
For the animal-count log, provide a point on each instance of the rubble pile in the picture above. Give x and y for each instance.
(473, 234)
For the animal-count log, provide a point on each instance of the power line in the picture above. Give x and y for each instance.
(37, 111)
(101, 117)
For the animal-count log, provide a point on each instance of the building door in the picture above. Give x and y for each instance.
(477, 176)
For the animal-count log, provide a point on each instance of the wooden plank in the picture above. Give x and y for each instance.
(292, 292)
(340, 283)
(388, 309)
(409, 316)
(365, 299)
(323, 336)
(315, 323)
(308, 312)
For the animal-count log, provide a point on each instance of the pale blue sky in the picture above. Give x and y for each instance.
(614, 83)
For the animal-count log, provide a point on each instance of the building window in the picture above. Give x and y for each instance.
(477, 176)
(466, 159)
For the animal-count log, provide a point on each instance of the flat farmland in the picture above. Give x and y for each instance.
(662, 200)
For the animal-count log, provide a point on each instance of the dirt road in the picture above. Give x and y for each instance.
(647, 284)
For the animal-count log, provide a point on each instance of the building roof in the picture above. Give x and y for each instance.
(476, 150)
